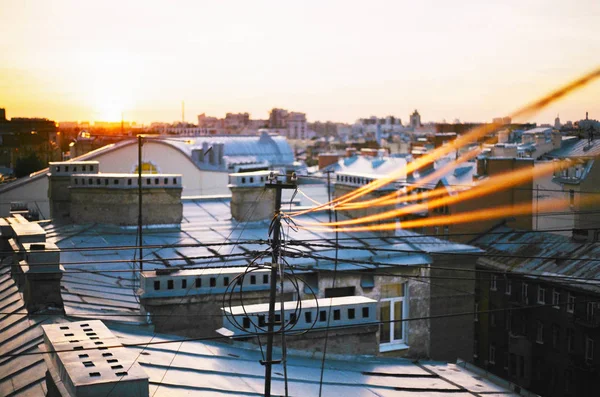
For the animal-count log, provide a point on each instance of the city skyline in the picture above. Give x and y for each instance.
(335, 61)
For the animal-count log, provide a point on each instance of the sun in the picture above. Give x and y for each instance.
(111, 96)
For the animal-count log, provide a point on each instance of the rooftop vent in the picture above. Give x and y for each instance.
(85, 359)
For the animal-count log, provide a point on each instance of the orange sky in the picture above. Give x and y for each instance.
(334, 60)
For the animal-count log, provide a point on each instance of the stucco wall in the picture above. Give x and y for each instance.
(167, 160)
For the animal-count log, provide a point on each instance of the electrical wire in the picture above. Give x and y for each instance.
(315, 329)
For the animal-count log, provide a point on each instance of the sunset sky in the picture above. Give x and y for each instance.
(334, 60)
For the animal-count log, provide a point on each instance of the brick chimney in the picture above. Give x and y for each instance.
(59, 181)
(250, 200)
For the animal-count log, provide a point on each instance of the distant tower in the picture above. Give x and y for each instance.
(557, 124)
(378, 134)
(415, 119)
(586, 115)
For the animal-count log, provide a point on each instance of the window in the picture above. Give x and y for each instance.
(556, 299)
(392, 310)
(174, 181)
(508, 320)
(265, 279)
(129, 181)
(589, 349)
(570, 303)
(156, 285)
(115, 182)
(148, 181)
(336, 314)
(571, 197)
(591, 307)
(83, 168)
(261, 320)
(156, 181)
(508, 287)
(169, 284)
(365, 312)
(541, 295)
(539, 336)
(308, 317)
(570, 339)
(339, 292)
(446, 231)
(525, 293)
(351, 314)
(253, 279)
(225, 281)
(492, 357)
(166, 181)
(243, 179)
(184, 283)
(476, 313)
(555, 335)
(213, 282)
(246, 322)
(493, 282)
(322, 316)
(198, 282)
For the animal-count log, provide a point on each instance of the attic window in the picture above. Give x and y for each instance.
(351, 314)
(243, 179)
(121, 373)
(184, 283)
(225, 281)
(246, 322)
(175, 181)
(58, 168)
(336, 314)
(156, 181)
(157, 285)
(94, 374)
(198, 282)
(83, 356)
(365, 312)
(169, 284)
(252, 279)
(98, 182)
(65, 327)
(116, 182)
(66, 168)
(213, 282)
(129, 181)
(107, 354)
(251, 179)
(148, 181)
(265, 279)
(308, 317)
(88, 364)
(322, 315)
(166, 181)
(112, 360)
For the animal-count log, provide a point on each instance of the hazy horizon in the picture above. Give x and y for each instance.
(338, 61)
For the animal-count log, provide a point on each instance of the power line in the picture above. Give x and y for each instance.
(314, 329)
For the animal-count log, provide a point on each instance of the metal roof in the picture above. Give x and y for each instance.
(526, 250)
(576, 148)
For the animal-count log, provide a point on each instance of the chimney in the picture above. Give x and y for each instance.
(59, 181)
(94, 370)
(36, 266)
(556, 139)
(250, 200)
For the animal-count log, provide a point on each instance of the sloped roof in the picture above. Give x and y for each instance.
(525, 250)
(576, 148)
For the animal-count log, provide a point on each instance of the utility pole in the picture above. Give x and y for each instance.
(275, 247)
(140, 224)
